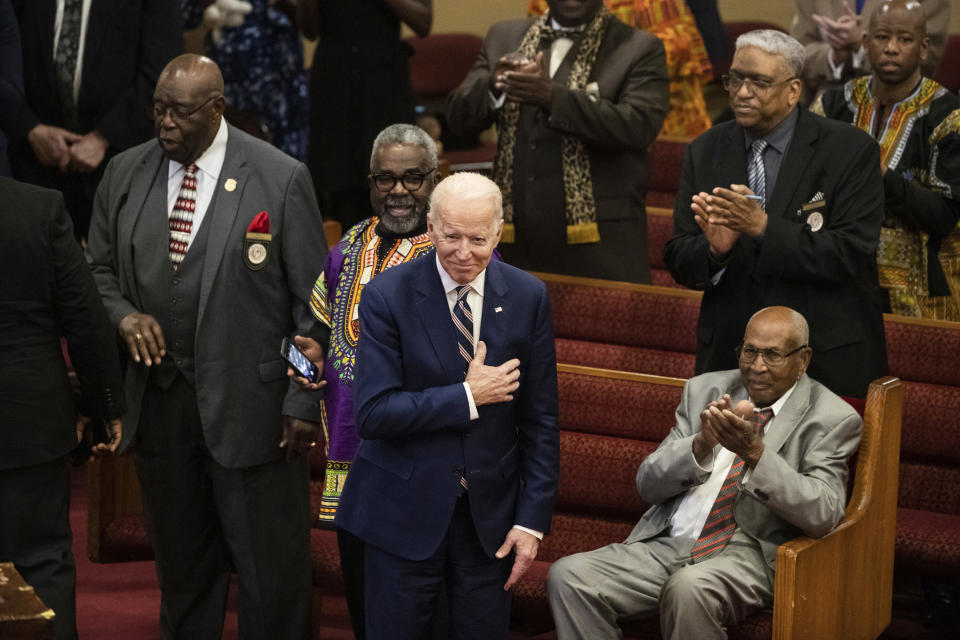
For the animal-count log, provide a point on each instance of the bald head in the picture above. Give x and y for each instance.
(195, 69)
(188, 105)
(909, 12)
(896, 43)
(792, 323)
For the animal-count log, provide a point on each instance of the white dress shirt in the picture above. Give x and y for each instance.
(57, 24)
(692, 513)
(475, 300)
(208, 173)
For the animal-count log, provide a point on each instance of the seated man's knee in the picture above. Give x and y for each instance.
(689, 586)
(561, 575)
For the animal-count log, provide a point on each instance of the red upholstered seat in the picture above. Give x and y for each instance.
(927, 542)
(665, 157)
(923, 350)
(624, 314)
(949, 72)
(659, 231)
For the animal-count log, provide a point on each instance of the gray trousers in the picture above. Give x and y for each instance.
(589, 592)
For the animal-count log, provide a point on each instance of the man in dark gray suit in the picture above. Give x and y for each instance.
(205, 248)
(47, 292)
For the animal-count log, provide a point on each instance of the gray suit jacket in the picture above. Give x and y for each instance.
(797, 488)
(243, 314)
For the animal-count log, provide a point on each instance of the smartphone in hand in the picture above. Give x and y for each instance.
(300, 363)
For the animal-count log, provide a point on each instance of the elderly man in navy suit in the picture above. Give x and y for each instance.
(457, 467)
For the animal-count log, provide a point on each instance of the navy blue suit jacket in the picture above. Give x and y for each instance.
(413, 414)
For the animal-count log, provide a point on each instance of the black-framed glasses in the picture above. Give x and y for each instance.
(158, 110)
(412, 181)
(748, 354)
(732, 83)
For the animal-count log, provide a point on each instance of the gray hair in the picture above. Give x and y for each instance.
(776, 43)
(405, 134)
(466, 186)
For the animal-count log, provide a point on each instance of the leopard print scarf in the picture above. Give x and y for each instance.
(580, 205)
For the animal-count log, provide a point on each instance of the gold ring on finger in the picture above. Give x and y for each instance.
(138, 337)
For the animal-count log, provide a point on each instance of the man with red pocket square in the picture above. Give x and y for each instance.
(204, 248)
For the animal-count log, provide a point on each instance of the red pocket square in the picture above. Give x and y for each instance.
(260, 224)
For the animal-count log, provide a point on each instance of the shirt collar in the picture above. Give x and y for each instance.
(211, 160)
(778, 137)
(556, 26)
(449, 284)
(782, 400)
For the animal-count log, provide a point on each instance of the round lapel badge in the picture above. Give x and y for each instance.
(256, 253)
(815, 220)
(230, 184)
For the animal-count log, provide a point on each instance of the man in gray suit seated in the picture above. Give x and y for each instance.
(757, 457)
(204, 248)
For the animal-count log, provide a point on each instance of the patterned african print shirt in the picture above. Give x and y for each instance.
(919, 137)
(335, 301)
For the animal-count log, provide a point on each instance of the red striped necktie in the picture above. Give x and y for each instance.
(181, 218)
(720, 524)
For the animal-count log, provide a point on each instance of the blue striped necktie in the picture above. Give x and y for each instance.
(463, 321)
(756, 172)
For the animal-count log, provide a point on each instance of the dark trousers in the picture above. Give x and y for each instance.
(401, 594)
(205, 520)
(35, 535)
(351, 550)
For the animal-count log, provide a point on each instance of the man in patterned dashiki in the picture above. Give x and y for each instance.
(917, 124)
(403, 173)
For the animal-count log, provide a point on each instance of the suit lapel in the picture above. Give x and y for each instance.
(46, 16)
(153, 168)
(98, 19)
(222, 216)
(731, 159)
(496, 317)
(435, 316)
(790, 415)
(793, 167)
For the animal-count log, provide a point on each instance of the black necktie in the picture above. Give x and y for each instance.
(66, 60)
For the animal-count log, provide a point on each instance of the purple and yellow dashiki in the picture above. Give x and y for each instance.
(359, 256)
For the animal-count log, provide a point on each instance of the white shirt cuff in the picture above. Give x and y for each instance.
(536, 534)
(715, 278)
(474, 414)
(496, 103)
(836, 72)
(858, 57)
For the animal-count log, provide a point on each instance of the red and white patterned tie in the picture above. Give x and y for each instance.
(181, 218)
(720, 524)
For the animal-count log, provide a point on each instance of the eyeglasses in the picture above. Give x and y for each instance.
(748, 354)
(733, 82)
(158, 110)
(385, 182)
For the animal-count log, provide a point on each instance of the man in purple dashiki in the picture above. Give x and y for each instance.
(403, 174)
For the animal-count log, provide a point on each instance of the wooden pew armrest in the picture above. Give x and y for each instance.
(841, 585)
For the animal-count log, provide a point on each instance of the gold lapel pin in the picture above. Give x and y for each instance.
(230, 184)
